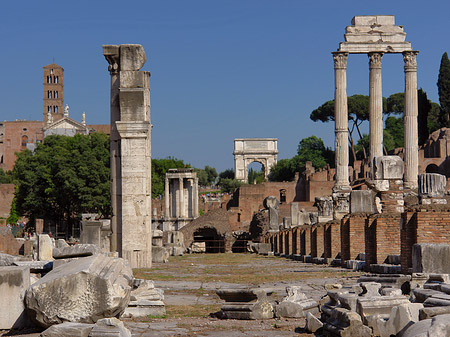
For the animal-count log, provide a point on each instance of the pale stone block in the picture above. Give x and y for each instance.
(14, 281)
(45, 248)
(362, 202)
(132, 57)
(68, 329)
(431, 258)
(432, 185)
(82, 291)
(388, 167)
(312, 323)
(401, 318)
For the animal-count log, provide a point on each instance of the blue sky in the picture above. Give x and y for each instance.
(220, 69)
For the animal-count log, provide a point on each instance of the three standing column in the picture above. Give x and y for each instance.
(410, 120)
(375, 106)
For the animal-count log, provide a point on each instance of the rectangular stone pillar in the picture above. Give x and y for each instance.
(130, 154)
(410, 120)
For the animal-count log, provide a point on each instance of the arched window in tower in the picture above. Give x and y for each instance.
(56, 79)
(55, 94)
(49, 94)
(49, 79)
(49, 109)
(56, 109)
(24, 141)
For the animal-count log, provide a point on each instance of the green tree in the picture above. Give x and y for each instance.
(227, 174)
(66, 176)
(309, 149)
(282, 171)
(159, 169)
(254, 175)
(211, 174)
(228, 185)
(443, 85)
(6, 177)
(358, 112)
(395, 128)
(433, 122)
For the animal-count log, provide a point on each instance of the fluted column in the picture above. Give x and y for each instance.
(167, 199)
(341, 121)
(375, 106)
(181, 200)
(195, 197)
(410, 120)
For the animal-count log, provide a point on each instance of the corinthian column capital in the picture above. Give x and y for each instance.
(410, 58)
(375, 60)
(340, 60)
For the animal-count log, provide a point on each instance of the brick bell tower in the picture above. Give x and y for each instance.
(53, 93)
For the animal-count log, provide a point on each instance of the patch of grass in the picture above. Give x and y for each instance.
(197, 310)
(156, 316)
(231, 268)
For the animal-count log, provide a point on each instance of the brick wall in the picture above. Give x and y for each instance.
(332, 241)
(382, 235)
(305, 240)
(424, 226)
(352, 236)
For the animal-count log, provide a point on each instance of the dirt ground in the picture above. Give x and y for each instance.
(190, 283)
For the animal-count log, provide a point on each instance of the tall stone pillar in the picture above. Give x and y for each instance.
(341, 189)
(167, 199)
(341, 121)
(410, 120)
(130, 155)
(375, 106)
(195, 196)
(112, 56)
(181, 198)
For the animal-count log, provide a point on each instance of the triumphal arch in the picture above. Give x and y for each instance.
(374, 35)
(249, 150)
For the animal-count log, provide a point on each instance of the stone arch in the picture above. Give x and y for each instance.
(249, 150)
(216, 219)
(432, 168)
(214, 242)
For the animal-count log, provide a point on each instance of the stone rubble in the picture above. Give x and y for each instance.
(245, 304)
(83, 291)
(145, 300)
(296, 304)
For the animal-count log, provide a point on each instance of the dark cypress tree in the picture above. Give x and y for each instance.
(443, 84)
(423, 110)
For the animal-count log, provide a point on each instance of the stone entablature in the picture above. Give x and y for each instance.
(249, 150)
(374, 33)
